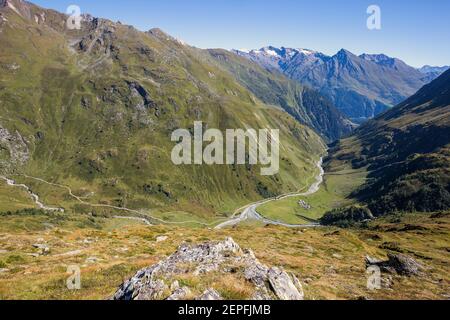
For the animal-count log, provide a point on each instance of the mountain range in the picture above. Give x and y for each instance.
(360, 86)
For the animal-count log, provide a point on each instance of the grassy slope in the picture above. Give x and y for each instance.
(13, 199)
(86, 129)
(329, 261)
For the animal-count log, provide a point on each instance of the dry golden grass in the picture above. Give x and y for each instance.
(328, 261)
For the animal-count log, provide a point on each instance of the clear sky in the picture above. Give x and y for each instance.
(416, 31)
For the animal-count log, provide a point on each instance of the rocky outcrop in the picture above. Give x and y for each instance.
(224, 257)
(397, 263)
(20, 7)
(13, 148)
(139, 91)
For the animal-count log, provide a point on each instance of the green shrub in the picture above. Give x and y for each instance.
(25, 212)
(346, 217)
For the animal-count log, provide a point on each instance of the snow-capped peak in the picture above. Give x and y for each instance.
(306, 51)
(277, 53)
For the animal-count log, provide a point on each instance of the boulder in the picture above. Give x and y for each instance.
(397, 263)
(404, 264)
(283, 285)
(43, 249)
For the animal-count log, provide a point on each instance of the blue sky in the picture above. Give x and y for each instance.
(416, 31)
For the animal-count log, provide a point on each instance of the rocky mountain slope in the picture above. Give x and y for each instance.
(360, 86)
(407, 153)
(94, 110)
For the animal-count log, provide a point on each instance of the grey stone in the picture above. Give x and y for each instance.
(43, 249)
(283, 285)
(180, 294)
(154, 290)
(397, 263)
(210, 294)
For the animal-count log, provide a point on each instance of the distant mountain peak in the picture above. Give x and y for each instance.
(344, 56)
(383, 60)
(432, 69)
(277, 53)
(360, 86)
(344, 51)
(375, 57)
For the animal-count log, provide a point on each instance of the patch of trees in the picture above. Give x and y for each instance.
(25, 212)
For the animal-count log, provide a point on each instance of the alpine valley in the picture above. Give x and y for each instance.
(87, 179)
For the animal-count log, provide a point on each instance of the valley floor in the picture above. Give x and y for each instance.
(334, 192)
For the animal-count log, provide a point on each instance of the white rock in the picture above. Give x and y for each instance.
(161, 238)
(283, 285)
(210, 295)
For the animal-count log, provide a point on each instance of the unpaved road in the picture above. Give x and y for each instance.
(250, 212)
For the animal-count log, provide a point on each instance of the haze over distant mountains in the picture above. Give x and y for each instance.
(360, 86)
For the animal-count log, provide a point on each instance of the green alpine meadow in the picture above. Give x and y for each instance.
(137, 166)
